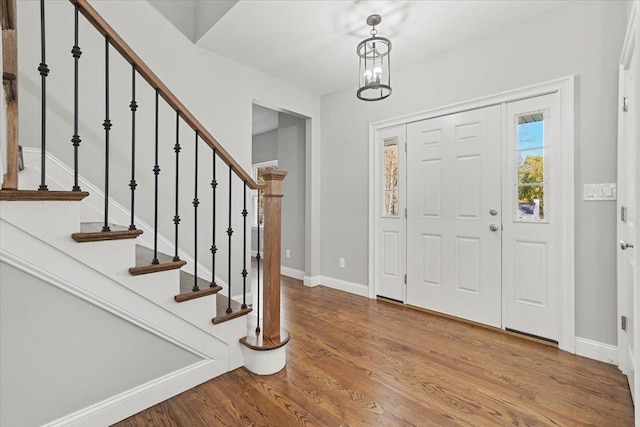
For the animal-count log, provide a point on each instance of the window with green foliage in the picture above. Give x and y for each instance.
(530, 153)
(390, 187)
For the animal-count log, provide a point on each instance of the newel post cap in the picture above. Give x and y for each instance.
(273, 182)
(273, 175)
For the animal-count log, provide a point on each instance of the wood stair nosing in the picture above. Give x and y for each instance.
(260, 343)
(37, 195)
(222, 303)
(92, 232)
(144, 265)
(187, 293)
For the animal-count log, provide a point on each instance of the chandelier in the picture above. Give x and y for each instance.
(374, 71)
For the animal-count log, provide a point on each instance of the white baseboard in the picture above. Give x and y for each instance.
(292, 272)
(312, 281)
(130, 402)
(341, 285)
(596, 350)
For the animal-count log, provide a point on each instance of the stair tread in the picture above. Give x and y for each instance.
(92, 232)
(144, 256)
(186, 286)
(36, 195)
(222, 303)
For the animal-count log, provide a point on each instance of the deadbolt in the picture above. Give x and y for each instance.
(493, 227)
(493, 212)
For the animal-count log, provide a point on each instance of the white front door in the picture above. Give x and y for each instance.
(531, 216)
(454, 219)
(628, 204)
(390, 265)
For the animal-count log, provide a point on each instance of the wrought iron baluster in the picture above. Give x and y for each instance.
(244, 249)
(107, 129)
(156, 171)
(44, 72)
(214, 248)
(229, 233)
(132, 183)
(176, 217)
(196, 203)
(258, 275)
(75, 139)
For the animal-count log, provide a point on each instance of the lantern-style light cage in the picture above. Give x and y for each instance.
(375, 71)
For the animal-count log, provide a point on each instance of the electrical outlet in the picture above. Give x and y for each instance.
(287, 253)
(341, 262)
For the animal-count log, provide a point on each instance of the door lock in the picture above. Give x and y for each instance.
(493, 227)
(493, 212)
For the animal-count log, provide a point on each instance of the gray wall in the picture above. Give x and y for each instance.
(60, 354)
(264, 147)
(583, 38)
(287, 145)
(291, 158)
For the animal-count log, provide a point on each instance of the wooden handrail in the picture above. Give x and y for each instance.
(130, 56)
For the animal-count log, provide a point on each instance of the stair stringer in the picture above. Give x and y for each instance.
(113, 259)
(34, 255)
(199, 311)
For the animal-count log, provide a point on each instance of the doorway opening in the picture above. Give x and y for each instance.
(279, 140)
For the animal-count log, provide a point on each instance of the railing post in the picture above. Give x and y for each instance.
(272, 246)
(10, 69)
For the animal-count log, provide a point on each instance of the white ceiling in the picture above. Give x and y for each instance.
(312, 43)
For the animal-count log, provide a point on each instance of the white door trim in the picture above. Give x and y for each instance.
(565, 89)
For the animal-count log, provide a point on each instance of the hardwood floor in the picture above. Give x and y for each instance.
(359, 362)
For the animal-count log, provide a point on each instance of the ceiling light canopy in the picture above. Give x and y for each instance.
(375, 72)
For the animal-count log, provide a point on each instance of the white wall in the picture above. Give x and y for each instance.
(583, 38)
(218, 91)
(60, 354)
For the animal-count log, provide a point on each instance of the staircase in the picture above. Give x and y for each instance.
(72, 234)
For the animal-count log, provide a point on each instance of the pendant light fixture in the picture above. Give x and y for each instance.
(375, 71)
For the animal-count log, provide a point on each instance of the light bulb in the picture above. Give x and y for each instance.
(367, 77)
(377, 74)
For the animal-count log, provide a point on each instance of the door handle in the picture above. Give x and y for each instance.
(624, 245)
(493, 227)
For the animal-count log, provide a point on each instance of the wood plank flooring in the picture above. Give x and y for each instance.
(359, 362)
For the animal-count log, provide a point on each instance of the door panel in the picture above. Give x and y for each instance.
(453, 257)
(628, 204)
(390, 197)
(532, 183)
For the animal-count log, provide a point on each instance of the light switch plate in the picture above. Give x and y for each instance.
(598, 192)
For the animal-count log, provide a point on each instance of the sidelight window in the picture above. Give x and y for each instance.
(390, 183)
(531, 178)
